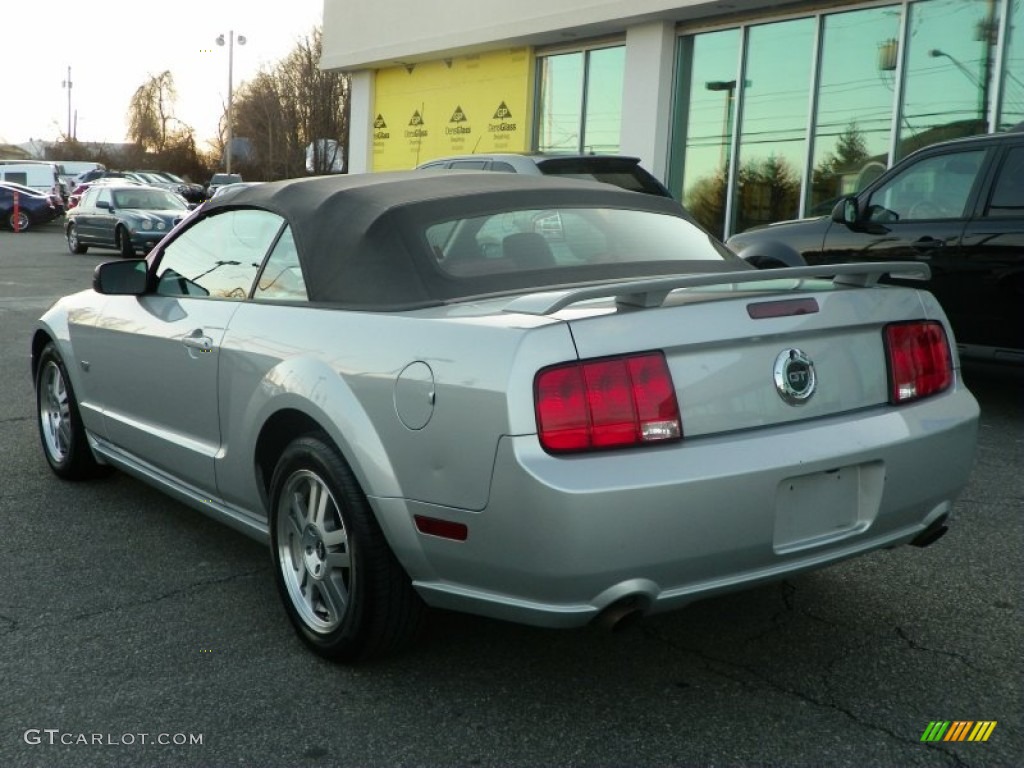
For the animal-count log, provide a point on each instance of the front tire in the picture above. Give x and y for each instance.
(74, 244)
(343, 589)
(61, 431)
(124, 243)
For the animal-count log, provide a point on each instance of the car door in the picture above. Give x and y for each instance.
(152, 360)
(83, 216)
(102, 222)
(916, 213)
(988, 308)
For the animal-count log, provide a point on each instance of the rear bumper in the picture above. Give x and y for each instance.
(563, 538)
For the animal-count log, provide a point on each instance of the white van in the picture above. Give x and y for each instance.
(39, 175)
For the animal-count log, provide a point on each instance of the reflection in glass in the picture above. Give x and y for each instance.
(1012, 111)
(712, 60)
(949, 71)
(560, 103)
(773, 134)
(855, 103)
(605, 71)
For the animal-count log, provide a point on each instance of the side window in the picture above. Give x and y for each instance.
(219, 256)
(103, 194)
(1008, 195)
(936, 187)
(281, 279)
(501, 165)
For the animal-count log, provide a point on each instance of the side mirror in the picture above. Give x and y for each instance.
(121, 278)
(846, 211)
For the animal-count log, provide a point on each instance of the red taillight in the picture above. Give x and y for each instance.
(608, 403)
(920, 363)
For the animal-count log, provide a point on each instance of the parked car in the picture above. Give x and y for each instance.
(543, 400)
(618, 170)
(128, 218)
(229, 188)
(957, 206)
(192, 193)
(220, 180)
(34, 208)
(54, 199)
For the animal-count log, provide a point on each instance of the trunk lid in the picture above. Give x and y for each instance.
(731, 349)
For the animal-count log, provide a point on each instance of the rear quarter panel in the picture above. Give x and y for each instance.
(340, 368)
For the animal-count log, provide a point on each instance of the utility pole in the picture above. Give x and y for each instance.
(67, 84)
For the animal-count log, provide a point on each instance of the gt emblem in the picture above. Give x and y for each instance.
(794, 376)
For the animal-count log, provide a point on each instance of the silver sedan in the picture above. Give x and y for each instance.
(546, 401)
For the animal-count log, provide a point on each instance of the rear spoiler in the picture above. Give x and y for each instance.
(651, 292)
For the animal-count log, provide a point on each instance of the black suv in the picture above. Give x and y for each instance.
(957, 206)
(620, 170)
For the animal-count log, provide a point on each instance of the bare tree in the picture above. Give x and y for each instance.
(290, 108)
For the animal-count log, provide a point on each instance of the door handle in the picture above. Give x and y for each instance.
(198, 341)
(926, 247)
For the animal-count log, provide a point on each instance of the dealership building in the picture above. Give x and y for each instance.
(750, 111)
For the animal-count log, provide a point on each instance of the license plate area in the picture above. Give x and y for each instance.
(822, 507)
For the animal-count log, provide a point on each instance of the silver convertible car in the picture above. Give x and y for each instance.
(546, 401)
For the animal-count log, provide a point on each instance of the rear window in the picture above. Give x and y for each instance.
(569, 244)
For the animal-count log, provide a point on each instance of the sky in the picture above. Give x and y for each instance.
(114, 46)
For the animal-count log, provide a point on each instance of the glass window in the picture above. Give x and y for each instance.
(773, 135)
(580, 103)
(1008, 196)
(709, 63)
(561, 102)
(218, 256)
(950, 58)
(1012, 103)
(148, 200)
(936, 187)
(281, 279)
(853, 125)
(468, 165)
(523, 240)
(605, 71)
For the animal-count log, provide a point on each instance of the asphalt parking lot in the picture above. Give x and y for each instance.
(136, 632)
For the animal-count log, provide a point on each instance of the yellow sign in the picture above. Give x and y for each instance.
(452, 107)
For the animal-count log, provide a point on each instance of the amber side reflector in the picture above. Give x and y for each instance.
(445, 529)
(784, 308)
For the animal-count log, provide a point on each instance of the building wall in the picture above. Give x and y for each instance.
(460, 105)
(361, 35)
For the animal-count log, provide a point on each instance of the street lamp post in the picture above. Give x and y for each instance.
(231, 64)
(67, 84)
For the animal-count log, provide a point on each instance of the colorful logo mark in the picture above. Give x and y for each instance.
(958, 730)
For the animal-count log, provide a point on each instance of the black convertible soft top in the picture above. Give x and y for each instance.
(360, 237)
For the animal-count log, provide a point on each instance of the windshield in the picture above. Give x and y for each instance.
(148, 200)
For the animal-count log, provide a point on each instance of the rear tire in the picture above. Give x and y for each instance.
(343, 589)
(22, 221)
(74, 244)
(61, 431)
